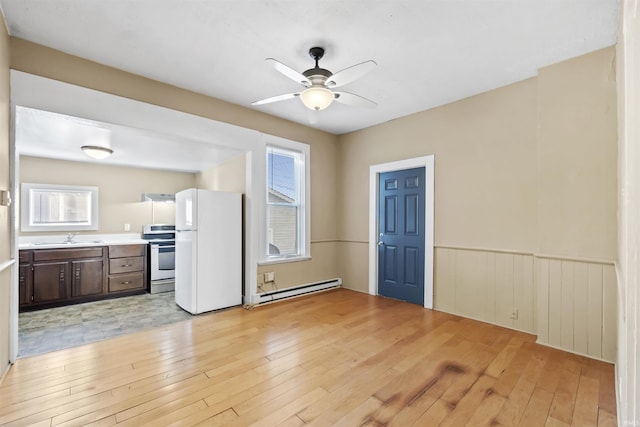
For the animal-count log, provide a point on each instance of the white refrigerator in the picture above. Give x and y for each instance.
(208, 250)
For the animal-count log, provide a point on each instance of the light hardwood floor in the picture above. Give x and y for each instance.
(336, 358)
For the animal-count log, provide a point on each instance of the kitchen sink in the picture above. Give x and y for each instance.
(54, 243)
(65, 243)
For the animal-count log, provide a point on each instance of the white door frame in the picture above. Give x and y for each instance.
(428, 163)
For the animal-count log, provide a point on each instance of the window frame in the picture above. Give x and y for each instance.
(296, 203)
(26, 214)
(302, 161)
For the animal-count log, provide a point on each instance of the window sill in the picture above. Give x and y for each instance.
(284, 260)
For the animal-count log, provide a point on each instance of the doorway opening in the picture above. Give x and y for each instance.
(207, 141)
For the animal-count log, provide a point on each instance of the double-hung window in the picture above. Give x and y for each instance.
(286, 220)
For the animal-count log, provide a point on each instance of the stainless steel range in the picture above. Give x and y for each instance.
(162, 256)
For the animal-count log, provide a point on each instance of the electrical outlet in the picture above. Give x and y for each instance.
(270, 276)
(514, 314)
(127, 227)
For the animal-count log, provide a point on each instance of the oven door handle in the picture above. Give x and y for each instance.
(161, 247)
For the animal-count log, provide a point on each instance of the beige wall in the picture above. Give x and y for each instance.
(525, 177)
(120, 190)
(578, 157)
(46, 62)
(5, 223)
(228, 176)
(628, 268)
(485, 172)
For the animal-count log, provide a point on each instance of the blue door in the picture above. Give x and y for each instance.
(401, 234)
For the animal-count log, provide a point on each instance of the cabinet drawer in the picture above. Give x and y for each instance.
(124, 282)
(66, 254)
(123, 251)
(126, 265)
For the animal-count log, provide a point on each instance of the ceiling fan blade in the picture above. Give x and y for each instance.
(289, 72)
(354, 100)
(350, 74)
(276, 98)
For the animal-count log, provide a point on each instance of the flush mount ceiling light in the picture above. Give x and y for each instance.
(97, 152)
(319, 84)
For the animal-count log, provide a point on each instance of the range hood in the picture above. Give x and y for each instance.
(158, 197)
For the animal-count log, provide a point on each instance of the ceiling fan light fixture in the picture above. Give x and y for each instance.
(317, 98)
(97, 152)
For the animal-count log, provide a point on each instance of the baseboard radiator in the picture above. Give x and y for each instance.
(295, 291)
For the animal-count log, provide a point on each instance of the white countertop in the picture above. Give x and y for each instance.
(80, 240)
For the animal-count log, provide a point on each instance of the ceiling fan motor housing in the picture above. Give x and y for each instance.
(317, 75)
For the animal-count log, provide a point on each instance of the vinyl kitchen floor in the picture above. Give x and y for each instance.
(43, 331)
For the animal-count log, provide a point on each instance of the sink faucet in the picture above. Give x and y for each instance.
(70, 237)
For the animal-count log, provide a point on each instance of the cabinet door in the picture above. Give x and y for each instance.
(87, 277)
(24, 280)
(49, 281)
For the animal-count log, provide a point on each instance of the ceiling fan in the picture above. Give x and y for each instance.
(319, 83)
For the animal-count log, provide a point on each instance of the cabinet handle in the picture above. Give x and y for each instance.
(128, 282)
(127, 265)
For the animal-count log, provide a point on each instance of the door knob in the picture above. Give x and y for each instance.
(380, 243)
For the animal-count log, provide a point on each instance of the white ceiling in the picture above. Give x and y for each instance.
(54, 119)
(429, 52)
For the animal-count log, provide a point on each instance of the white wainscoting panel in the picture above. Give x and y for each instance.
(568, 303)
(577, 306)
(486, 285)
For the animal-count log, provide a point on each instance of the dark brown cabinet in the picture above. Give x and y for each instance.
(49, 277)
(127, 270)
(60, 275)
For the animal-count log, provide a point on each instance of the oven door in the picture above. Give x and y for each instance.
(163, 261)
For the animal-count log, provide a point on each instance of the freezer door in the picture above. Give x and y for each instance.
(186, 209)
(186, 275)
